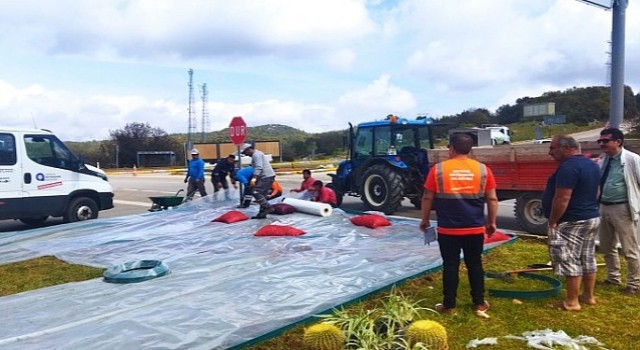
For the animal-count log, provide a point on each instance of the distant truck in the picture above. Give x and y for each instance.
(500, 134)
(41, 177)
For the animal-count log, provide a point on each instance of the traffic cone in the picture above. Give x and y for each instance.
(135, 171)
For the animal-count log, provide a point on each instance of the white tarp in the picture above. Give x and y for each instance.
(226, 286)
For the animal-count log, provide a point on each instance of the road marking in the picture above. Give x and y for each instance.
(140, 204)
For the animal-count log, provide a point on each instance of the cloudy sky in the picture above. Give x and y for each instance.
(83, 68)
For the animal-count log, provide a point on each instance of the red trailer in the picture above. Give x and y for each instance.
(521, 173)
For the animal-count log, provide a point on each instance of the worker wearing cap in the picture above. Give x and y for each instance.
(195, 175)
(224, 167)
(262, 179)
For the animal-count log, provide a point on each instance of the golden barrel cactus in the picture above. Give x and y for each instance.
(430, 333)
(323, 336)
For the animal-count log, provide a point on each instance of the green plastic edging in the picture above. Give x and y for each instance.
(135, 271)
(556, 287)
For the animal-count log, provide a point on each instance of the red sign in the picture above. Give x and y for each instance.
(237, 131)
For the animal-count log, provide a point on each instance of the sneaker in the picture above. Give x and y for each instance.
(481, 310)
(445, 310)
(630, 291)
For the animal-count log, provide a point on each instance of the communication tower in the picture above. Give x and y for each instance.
(205, 113)
(192, 113)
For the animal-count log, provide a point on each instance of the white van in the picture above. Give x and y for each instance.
(40, 177)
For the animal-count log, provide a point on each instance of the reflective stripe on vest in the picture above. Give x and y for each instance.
(456, 183)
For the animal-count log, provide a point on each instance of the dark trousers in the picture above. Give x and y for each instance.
(450, 248)
(262, 189)
(193, 186)
(219, 181)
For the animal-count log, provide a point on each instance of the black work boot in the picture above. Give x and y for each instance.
(262, 214)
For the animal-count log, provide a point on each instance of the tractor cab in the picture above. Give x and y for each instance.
(387, 162)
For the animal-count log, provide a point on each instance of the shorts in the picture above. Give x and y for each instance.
(572, 247)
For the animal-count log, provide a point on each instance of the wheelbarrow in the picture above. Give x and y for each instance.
(166, 202)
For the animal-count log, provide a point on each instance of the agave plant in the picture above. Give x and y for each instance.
(380, 328)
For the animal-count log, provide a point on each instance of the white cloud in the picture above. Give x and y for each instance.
(84, 68)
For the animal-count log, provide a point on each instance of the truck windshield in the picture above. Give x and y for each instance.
(48, 150)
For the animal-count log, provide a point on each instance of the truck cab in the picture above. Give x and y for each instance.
(41, 177)
(500, 134)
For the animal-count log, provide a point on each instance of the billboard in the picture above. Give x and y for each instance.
(539, 109)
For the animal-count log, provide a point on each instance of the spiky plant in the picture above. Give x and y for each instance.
(430, 333)
(323, 336)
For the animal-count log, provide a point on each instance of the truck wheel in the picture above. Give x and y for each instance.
(338, 193)
(382, 189)
(417, 202)
(34, 221)
(528, 212)
(80, 209)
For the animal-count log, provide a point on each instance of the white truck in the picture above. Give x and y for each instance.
(500, 134)
(41, 177)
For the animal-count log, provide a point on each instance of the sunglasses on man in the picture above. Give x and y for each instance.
(604, 141)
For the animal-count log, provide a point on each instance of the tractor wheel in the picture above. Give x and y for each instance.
(80, 209)
(382, 189)
(338, 193)
(528, 212)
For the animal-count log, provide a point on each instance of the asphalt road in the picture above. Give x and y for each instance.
(132, 197)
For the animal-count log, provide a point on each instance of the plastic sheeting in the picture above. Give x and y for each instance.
(226, 286)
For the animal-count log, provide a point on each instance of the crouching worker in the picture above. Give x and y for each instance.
(243, 176)
(276, 190)
(224, 167)
(323, 194)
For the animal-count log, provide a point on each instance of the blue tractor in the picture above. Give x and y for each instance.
(386, 163)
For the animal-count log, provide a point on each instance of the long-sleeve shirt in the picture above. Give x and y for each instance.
(244, 175)
(195, 171)
(261, 165)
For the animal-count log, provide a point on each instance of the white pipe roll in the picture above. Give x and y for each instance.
(313, 208)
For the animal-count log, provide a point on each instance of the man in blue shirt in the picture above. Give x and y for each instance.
(195, 175)
(570, 202)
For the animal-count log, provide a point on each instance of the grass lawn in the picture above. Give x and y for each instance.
(614, 321)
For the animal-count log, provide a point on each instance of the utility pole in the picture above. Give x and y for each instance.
(192, 113)
(616, 90)
(205, 113)
(616, 107)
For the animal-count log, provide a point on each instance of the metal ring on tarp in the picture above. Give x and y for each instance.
(556, 287)
(135, 271)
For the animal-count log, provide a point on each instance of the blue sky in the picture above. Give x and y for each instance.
(83, 68)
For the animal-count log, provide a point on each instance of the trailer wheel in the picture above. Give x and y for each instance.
(528, 212)
(80, 209)
(34, 221)
(339, 194)
(382, 189)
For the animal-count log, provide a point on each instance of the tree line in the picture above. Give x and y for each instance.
(581, 106)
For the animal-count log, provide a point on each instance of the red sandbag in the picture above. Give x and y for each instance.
(278, 230)
(231, 217)
(370, 221)
(283, 208)
(496, 237)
